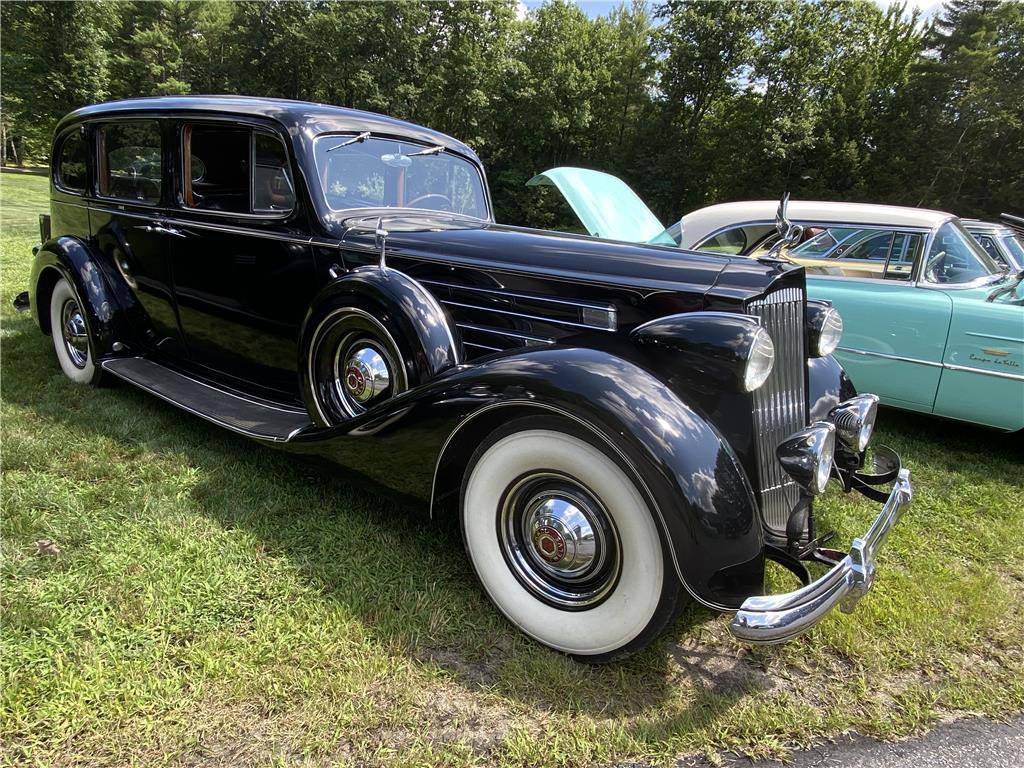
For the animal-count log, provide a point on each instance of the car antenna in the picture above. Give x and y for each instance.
(360, 138)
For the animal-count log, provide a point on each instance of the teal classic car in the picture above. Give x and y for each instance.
(932, 323)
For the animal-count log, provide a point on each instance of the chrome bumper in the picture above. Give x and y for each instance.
(768, 619)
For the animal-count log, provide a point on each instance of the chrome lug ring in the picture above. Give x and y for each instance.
(559, 541)
(75, 333)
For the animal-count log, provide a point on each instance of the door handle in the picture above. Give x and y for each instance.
(160, 229)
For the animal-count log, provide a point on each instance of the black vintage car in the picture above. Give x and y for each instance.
(620, 428)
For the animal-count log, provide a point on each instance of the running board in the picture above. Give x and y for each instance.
(252, 418)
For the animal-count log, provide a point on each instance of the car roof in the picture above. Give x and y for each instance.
(308, 117)
(703, 222)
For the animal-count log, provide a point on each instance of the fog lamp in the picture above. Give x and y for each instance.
(807, 456)
(855, 421)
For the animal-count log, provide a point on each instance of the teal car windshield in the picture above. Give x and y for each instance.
(367, 172)
(956, 258)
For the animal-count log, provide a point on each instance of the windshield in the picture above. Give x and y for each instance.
(955, 257)
(366, 172)
(1013, 246)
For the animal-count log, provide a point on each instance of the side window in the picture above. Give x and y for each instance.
(71, 167)
(869, 246)
(730, 241)
(818, 243)
(989, 245)
(905, 249)
(217, 168)
(130, 161)
(272, 188)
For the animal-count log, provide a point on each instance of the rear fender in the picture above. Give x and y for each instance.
(71, 258)
(692, 479)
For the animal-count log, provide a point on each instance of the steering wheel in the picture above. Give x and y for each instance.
(932, 267)
(435, 195)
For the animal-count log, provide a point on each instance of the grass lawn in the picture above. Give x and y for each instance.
(218, 603)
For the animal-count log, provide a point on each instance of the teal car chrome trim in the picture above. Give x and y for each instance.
(770, 619)
(1014, 339)
(986, 372)
(933, 364)
(902, 359)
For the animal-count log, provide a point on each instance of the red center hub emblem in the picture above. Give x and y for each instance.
(549, 543)
(355, 381)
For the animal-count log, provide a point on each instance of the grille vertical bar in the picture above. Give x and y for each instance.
(780, 404)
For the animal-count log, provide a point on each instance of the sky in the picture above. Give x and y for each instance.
(595, 8)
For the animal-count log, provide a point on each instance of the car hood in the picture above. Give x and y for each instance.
(605, 204)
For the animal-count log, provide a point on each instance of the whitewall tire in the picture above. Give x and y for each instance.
(564, 543)
(70, 333)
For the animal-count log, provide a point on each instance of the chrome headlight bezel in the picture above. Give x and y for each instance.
(807, 456)
(824, 328)
(760, 361)
(855, 421)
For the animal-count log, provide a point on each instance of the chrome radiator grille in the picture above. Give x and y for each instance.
(780, 404)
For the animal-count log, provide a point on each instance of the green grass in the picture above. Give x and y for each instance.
(215, 602)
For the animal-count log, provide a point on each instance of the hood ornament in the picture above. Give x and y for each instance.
(789, 233)
(380, 240)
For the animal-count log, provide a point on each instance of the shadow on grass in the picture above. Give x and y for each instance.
(404, 577)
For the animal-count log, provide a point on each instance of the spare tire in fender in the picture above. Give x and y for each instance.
(368, 336)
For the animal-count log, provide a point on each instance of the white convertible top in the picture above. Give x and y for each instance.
(699, 224)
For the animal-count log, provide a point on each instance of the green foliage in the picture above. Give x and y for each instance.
(690, 101)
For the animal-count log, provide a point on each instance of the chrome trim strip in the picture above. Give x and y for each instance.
(900, 358)
(946, 366)
(993, 336)
(770, 619)
(607, 441)
(984, 372)
(482, 346)
(501, 332)
(521, 315)
(569, 303)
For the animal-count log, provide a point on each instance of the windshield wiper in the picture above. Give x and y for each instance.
(431, 151)
(355, 139)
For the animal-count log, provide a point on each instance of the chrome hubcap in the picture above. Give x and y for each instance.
(366, 374)
(76, 335)
(361, 375)
(559, 541)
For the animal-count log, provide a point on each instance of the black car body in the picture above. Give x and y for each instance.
(317, 278)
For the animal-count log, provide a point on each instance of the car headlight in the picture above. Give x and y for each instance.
(807, 456)
(855, 421)
(759, 361)
(824, 327)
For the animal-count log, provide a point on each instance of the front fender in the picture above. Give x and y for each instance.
(690, 475)
(71, 258)
(827, 386)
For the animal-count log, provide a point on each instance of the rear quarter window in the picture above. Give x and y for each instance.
(72, 163)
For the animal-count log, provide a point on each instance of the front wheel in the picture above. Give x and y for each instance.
(565, 545)
(70, 332)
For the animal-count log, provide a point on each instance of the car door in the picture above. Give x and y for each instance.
(895, 332)
(129, 225)
(243, 271)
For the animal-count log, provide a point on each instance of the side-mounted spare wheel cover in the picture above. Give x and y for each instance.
(370, 335)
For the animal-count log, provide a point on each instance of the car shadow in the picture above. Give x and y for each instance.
(404, 576)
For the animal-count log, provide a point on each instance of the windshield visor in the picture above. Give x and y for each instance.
(371, 172)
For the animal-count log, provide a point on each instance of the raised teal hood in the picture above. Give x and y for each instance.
(605, 204)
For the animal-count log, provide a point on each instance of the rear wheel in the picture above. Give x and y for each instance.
(70, 332)
(564, 543)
